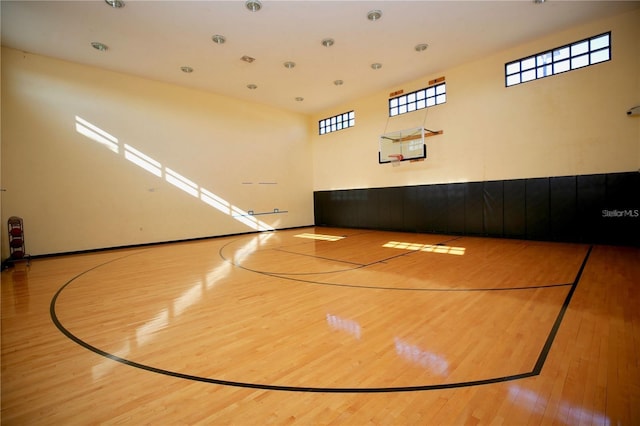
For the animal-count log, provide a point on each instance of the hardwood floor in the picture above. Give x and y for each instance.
(325, 326)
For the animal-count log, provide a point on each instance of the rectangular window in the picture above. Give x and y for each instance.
(420, 99)
(572, 56)
(337, 122)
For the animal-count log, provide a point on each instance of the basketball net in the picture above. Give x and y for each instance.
(396, 159)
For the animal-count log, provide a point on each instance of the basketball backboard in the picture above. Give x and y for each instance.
(402, 145)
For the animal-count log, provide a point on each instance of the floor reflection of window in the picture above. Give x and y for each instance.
(431, 248)
(342, 324)
(433, 362)
(320, 237)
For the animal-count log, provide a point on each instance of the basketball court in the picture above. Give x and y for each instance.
(313, 312)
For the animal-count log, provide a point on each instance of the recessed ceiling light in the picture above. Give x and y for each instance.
(218, 39)
(328, 42)
(338, 82)
(376, 66)
(253, 5)
(188, 70)
(252, 86)
(117, 4)
(299, 99)
(421, 47)
(99, 46)
(248, 59)
(538, 1)
(374, 15)
(289, 64)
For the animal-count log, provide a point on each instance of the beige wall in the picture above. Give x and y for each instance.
(76, 194)
(568, 124)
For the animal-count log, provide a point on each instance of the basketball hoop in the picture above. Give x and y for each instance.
(395, 159)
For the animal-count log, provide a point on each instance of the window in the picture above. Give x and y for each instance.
(572, 56)
(420, 99)
(337, 122)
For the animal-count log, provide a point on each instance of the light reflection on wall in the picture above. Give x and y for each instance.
(433, 362)
(179, 181)
(142, 160)
(97, 134)
(173, 177)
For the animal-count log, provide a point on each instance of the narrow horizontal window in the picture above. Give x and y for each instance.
(579, 54)
(420, 99)
(337, 122)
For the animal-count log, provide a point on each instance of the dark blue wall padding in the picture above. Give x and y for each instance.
(411, 207)
(390, 208)
(590, 194)
(626, 223)
(563, 211)
(435, 210)
(514, 216)
(455, 208)
(493, 208)
(601, 208)
(474, 208)
(537, 209)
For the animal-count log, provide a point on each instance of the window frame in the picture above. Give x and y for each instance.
(427, 97)
(337, 122)
(561, 59)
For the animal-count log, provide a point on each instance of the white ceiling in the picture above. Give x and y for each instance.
(153, 39)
